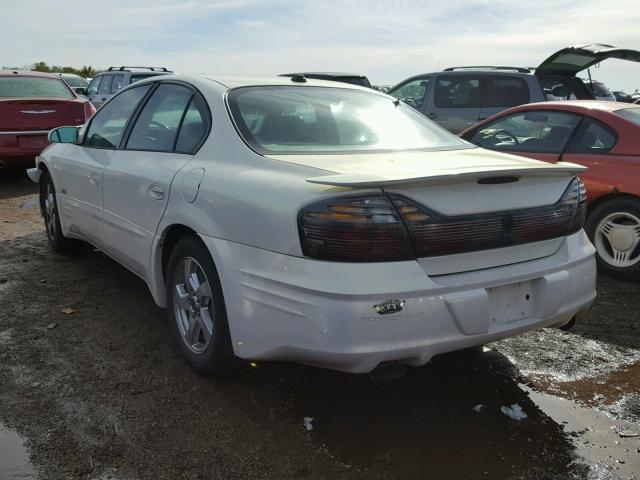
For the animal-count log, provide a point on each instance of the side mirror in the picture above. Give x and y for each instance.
(63, 135)
(81, 91)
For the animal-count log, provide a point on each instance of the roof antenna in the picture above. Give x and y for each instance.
(298, 78)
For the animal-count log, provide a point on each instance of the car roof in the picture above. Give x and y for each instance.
(26, 73)
(326, 74)
(574, 105)
(236, 81)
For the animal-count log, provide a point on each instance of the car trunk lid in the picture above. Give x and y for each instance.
(39, 114)
(477, 196)
(571, 60)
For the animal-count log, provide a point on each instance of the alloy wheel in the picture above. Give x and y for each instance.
(193, 305)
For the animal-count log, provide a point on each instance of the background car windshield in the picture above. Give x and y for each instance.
(75, 81)
(23, 87)
(318, 120)
(632, 114)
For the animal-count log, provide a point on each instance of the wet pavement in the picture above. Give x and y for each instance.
(14, 459)
(100, 392)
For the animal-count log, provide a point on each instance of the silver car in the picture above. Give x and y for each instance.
(104, 85)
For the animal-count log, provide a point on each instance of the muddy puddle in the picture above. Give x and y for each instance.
(14, 459)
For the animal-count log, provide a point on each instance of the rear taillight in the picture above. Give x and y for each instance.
(89, 110)
(387, 227)
(363, 228)
(576, 196)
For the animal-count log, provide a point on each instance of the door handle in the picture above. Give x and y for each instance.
(156, 191)
(94, 179)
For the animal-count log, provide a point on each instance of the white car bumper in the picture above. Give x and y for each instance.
(322, 313)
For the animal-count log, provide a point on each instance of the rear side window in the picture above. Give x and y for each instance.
(535, 131)
(136, 78)
(23, 87)
(193, 128)
(105, 85)
(157, 126)
(107, 126)
(412, 93)
(458, 91)
(118, 82)
(593, 137)
(631, 114)
(505, 91)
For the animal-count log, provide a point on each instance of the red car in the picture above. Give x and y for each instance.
(603, 136)
(31, 104)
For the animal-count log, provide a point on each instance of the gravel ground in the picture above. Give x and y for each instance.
(90, 378)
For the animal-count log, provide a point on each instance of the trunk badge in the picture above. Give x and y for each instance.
(389, 306)
(37, 112)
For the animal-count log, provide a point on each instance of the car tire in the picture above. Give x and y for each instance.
(49, 209)
(613, 227)
(196, 309)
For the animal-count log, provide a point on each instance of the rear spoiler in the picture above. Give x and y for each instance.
(447, 176)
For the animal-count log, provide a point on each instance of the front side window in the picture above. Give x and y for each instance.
(458, 91)
(92, 89)
(24, 87)
(105, 85)
(593, 137)
(505, 91)
(412, 93)
(288, 119)
(107, 126)
(535, 131)
(157, 126)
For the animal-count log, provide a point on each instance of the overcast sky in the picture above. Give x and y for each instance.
(386, 40)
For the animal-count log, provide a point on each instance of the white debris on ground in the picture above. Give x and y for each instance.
(478, 408)
(514, 412)
(308, 423)
(538, 352)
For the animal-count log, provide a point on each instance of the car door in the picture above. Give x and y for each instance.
(590, 146)
(79, 167)
(92, 89)
(104, 91)
(500, 92)
(137, 180)
(537, 134)
(455, 101)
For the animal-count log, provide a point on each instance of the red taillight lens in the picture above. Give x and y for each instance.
(363, 228)
(89, 110)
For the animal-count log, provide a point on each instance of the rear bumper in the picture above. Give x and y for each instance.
(322, 313)
(19, 149)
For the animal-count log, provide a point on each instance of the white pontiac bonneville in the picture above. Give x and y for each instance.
(310, 221)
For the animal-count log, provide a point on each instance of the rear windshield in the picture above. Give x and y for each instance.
(632, 114)
(283, 119)
(23, 87)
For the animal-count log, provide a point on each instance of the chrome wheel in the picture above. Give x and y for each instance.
(50, 213)
(617, 238)
(193, 305)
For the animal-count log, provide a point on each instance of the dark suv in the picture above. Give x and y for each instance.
(105, 84)
(459, 97)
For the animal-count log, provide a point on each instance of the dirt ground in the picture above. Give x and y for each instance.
(91, 381)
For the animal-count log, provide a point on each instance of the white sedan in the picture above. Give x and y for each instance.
(309, 221)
